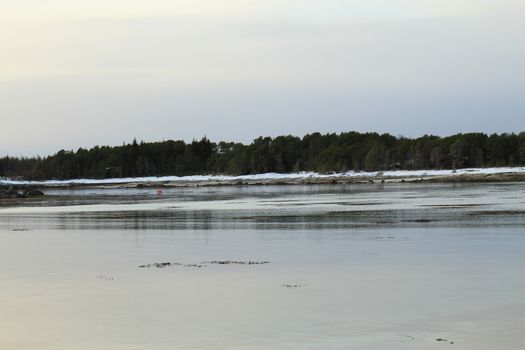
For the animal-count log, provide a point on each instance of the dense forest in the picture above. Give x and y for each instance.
(313, 152)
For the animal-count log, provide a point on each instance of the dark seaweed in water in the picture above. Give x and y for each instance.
(160, 265)
(166, 264)
(299, 285)
(203, 264)
(229, 262)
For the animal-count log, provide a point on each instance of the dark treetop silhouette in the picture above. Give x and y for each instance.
(313, 152)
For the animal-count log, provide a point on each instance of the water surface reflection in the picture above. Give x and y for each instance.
(370, 267)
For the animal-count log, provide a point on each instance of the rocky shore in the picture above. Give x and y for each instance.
(19, 192)
(333, 180)
(27, 189)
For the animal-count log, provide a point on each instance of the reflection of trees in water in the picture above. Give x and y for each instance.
(137, 220)
(429, 216)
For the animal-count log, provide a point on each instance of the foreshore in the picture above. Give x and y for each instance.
(468, 176)
(335, 180)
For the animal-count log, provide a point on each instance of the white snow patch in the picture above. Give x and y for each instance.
(266, 176)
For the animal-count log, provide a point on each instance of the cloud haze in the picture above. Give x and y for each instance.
(77, 73)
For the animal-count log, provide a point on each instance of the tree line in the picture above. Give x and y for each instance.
(283, 154)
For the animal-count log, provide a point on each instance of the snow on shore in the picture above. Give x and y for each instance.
(267, 176)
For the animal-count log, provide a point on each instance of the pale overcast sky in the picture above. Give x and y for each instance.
(79, 73)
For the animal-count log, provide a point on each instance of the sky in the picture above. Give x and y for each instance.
(81, 73)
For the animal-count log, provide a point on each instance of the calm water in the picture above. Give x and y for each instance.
(350, 267)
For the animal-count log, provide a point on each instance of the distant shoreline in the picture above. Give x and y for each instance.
(473, 175)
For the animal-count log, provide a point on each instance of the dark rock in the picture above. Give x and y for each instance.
(32, 193)
(11, 192)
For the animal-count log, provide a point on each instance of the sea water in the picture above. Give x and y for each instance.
(395, 266)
